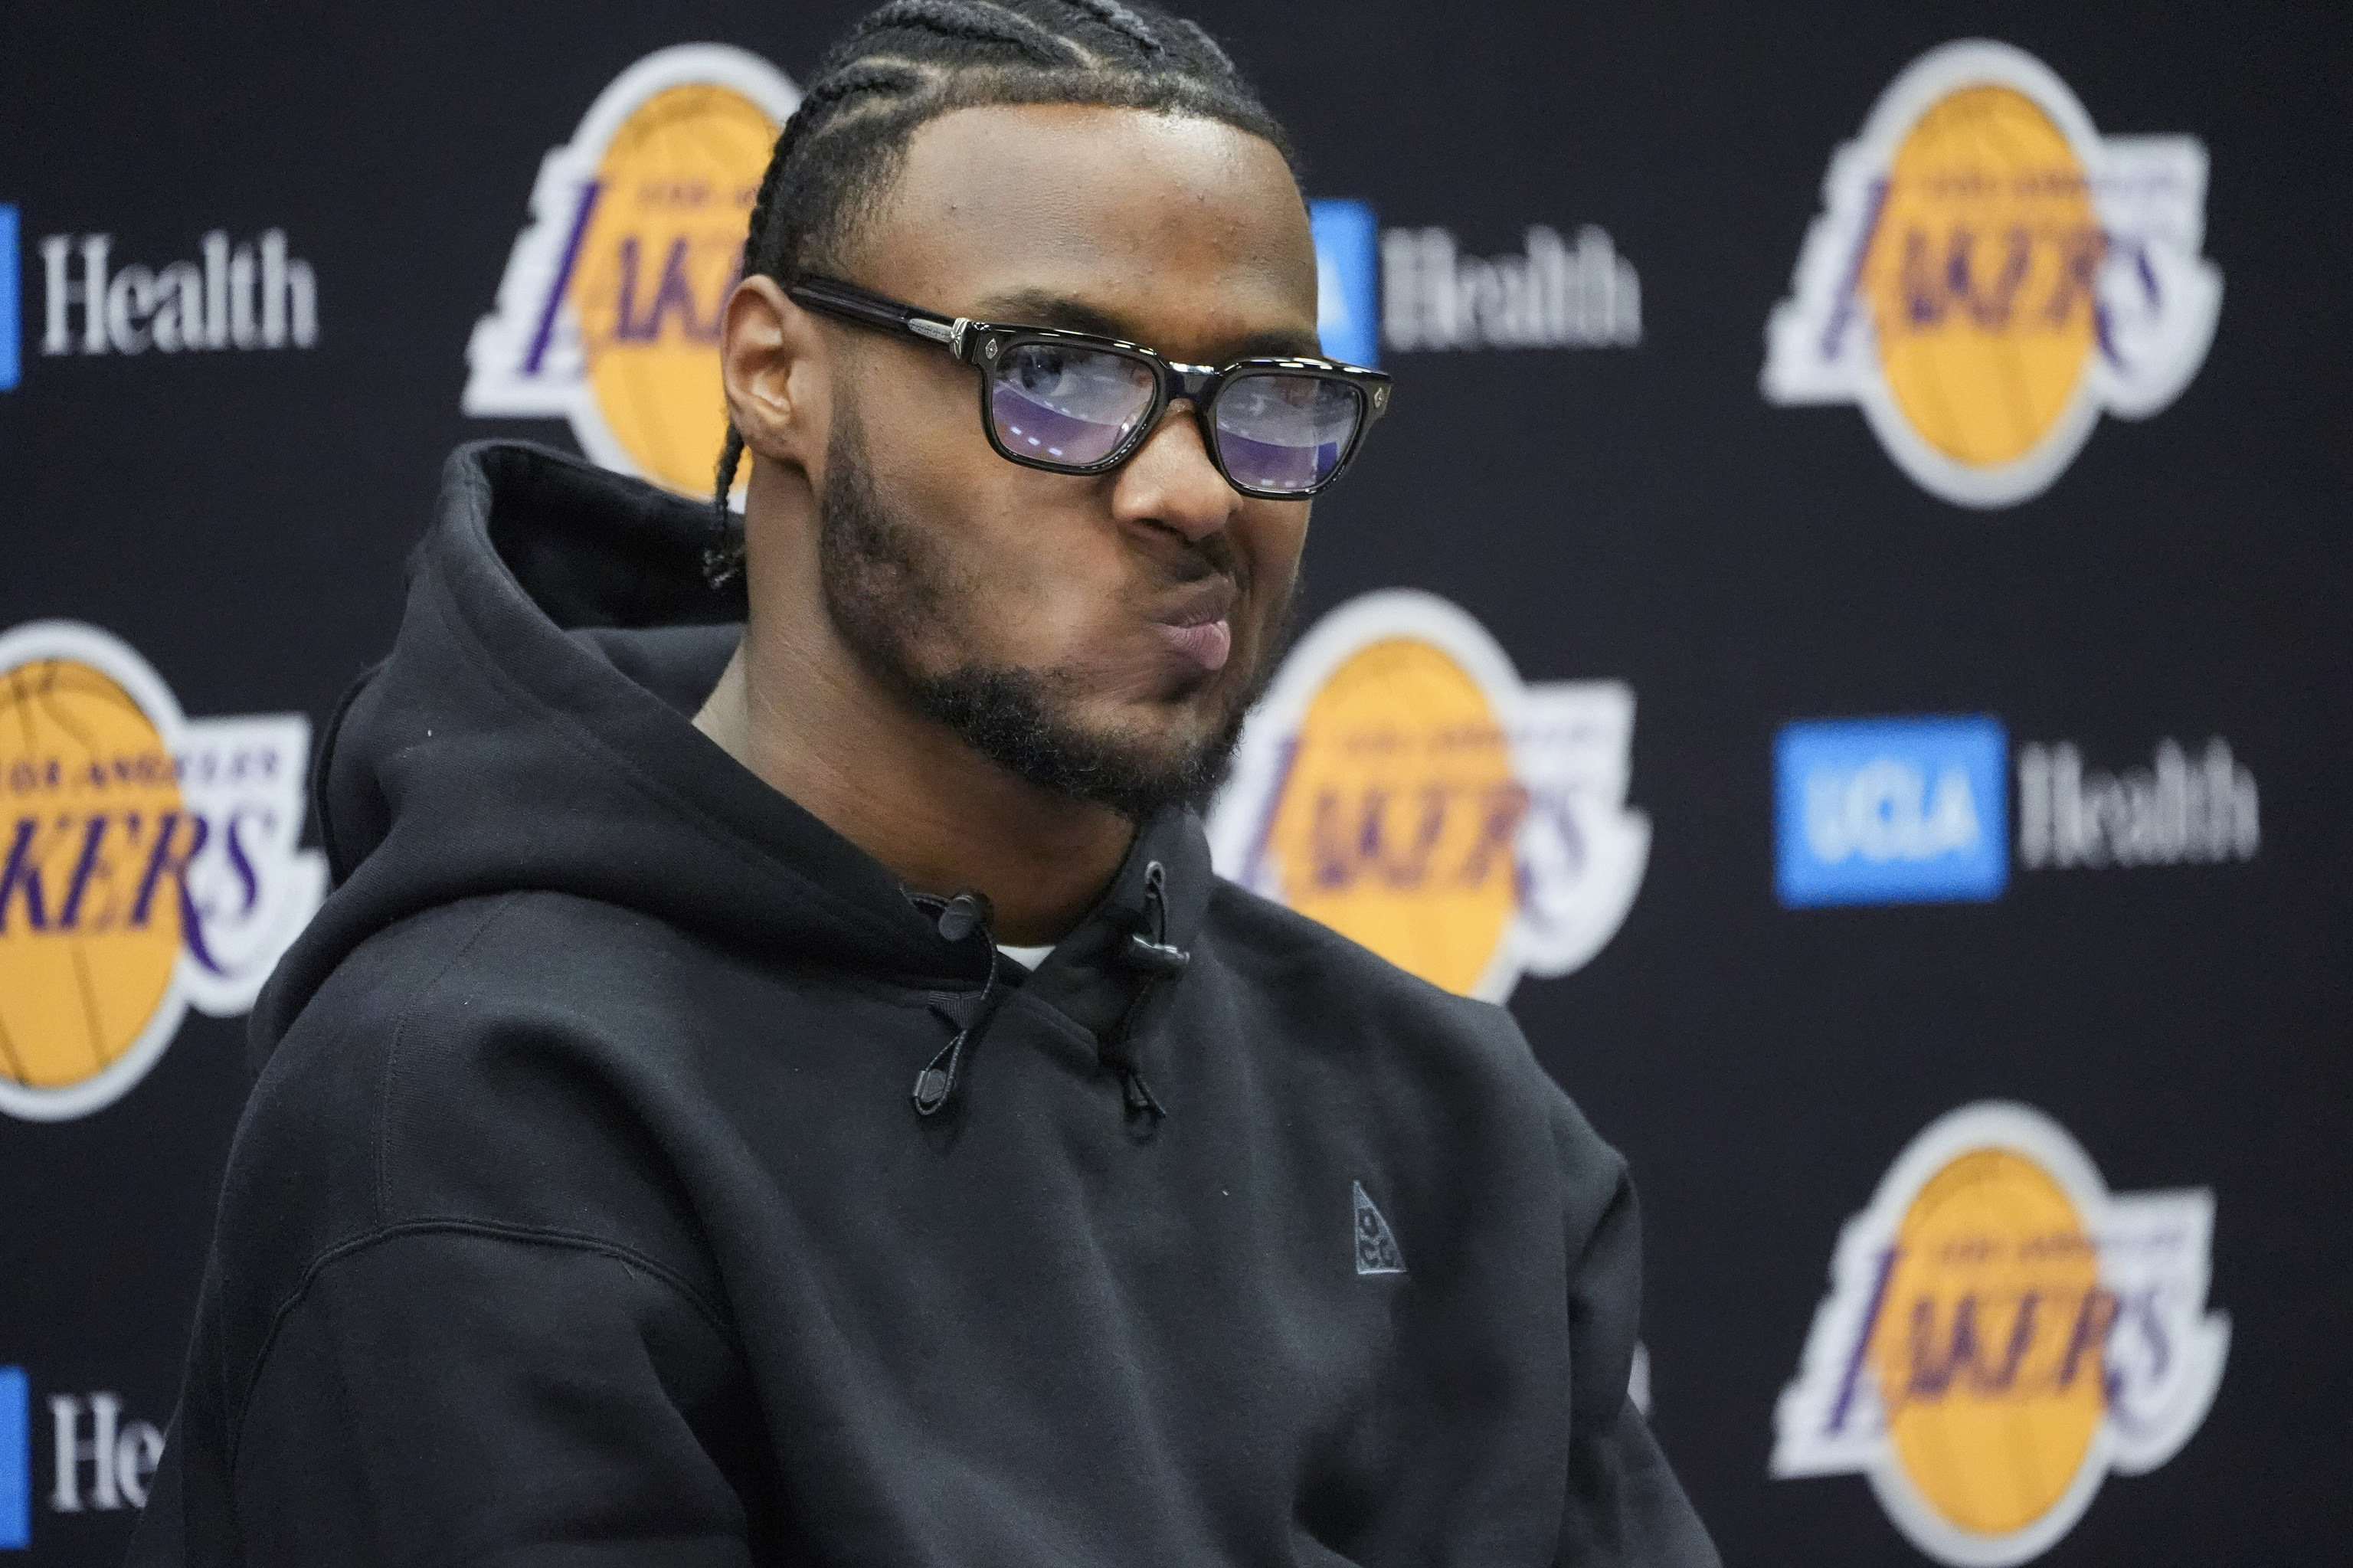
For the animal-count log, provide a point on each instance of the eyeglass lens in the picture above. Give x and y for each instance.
(1284, 433)
(1275, 431)
(1068, 403)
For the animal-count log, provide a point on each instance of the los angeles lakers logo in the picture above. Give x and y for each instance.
(609, 312)
(147, 864)
(2001, 1331)
(1402, 786)
(1990, 274)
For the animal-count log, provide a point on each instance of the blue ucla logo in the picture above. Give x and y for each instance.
(1348, 307)
(1896, 810)
(9, 363)
(15, 1460)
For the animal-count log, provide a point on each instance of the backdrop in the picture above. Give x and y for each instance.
(1844, 631)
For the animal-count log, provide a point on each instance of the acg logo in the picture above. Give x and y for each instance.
(2001, 1332)
(608, 313)
(1401, 785)
(1988, 274)
(147, 864)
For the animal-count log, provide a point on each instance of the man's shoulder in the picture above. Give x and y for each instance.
(445, 981)
(1336, 988)
(491, 1060)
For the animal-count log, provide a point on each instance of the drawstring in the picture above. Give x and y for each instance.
(1154, 960)
(959, 918)
(1151, 958)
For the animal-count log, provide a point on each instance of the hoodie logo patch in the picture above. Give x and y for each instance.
(1376, 1249)
(147, 864)
(1402, 785)
(608, 313)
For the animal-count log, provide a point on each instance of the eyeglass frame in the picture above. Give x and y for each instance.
(982, 345)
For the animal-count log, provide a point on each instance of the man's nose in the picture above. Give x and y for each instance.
(1171, 482)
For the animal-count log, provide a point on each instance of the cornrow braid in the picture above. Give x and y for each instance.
(1119, 18)
(725, 558)
(909, 62)
(982, 23)
(1208, 46)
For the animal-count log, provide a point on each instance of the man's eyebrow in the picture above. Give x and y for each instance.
(1038, 307)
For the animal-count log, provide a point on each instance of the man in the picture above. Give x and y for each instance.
(864, 1130)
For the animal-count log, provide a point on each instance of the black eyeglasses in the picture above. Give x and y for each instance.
(1071, 402)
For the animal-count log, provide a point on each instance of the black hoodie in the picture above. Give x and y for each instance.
(583, 1212)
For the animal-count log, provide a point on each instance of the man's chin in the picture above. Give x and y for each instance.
(1134, 761)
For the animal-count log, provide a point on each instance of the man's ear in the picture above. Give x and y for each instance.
(773, 366)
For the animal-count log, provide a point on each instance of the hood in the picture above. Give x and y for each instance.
(531, 731)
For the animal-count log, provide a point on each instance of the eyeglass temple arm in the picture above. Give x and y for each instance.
(847, 299)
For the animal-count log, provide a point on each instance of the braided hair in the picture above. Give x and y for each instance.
(908, 62)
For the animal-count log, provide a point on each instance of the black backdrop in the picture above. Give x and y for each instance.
(1639, 513)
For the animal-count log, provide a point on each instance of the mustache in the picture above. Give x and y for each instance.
(1213, 554)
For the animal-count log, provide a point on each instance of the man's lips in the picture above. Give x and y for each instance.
(1195, 621)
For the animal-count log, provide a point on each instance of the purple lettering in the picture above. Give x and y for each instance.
(1933, 1372)
(1840, 1406)
(87, 865)
(1928, 296)
(24, 871)
(2080, 252)
(672, 293)
(162, 862)
(1835, 333)
(546, 329)
(625, 323)
(2021, 1340)
(1342, 857)
(1506, 807)
(2094, 1318)
(249, 883)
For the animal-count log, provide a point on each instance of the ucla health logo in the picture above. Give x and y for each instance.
(2001, 1331)
(608, 314)
(1891, 810)
(1403, 786)
(103, 1460)
(1990, 274)
(1913, 811)
(1416, 290)
(148, 864)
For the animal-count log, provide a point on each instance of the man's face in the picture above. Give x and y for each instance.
(1099, 634)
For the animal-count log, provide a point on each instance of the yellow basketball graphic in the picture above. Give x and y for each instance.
(660, 249)
(92, 837)
(2001, 1334)
(1981, 274)
(1988, 1343)
(1398, 815)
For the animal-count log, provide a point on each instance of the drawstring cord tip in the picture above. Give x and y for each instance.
(937, 1080)
(1157, 960)
(1141, 1100)
(965, 913)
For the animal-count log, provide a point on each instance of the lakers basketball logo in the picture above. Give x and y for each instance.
(147, 864)
(1401, 785)
(1990, 274)
(610, 312)
(2001, 1331)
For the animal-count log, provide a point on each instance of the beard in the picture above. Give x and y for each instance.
(888, 591)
